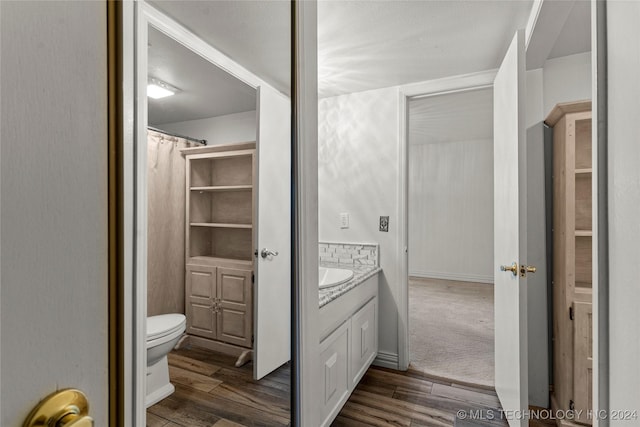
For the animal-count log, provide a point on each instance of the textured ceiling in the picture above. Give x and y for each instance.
(464, 116)
(372, 44)
(205, 90)
(255, 34)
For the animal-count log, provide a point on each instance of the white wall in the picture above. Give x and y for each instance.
(623, 62)
(567, 78)
(358, 173)
(239, 127)
(53, 205)
(451, 210)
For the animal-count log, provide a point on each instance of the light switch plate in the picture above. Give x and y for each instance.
(344, 220)
(384, 224)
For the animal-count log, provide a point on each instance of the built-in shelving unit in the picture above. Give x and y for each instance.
(572, 259)
(220, 218)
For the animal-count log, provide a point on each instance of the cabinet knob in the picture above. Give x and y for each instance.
(64, 408)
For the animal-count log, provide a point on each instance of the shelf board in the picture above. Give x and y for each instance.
(584, 171)
(220, 225)
(584, 233)
(223, 188)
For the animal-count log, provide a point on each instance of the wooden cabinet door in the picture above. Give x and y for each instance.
(235, 308)
(200, 300)
(582, 358)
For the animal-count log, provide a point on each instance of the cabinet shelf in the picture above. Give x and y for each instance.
(220, 225)
(215, 188)
(584, 233)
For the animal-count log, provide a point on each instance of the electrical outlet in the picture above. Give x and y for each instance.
(384, 223)
(344, 220)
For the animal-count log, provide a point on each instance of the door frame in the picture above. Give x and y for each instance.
(136, 17)
(448, 85)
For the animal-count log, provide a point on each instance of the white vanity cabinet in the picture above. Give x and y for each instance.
(348, 345)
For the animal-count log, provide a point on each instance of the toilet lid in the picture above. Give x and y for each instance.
(164, 324)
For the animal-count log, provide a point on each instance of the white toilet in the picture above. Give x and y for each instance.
(163, 333)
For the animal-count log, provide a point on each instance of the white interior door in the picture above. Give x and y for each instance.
(511, 370)
(272, 294)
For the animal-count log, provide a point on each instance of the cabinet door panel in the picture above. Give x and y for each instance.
(334, 359)
(200, 286)
(582, 357)
(364, 342)
(235, 315)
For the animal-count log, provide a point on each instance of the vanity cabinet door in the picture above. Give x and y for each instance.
(235, 308)
(200, 303)
(334, 359)
(364, 340)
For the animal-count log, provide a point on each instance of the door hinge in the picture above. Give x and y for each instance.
(252, 339)
(572, 405)
(253, 278)
(571, 313)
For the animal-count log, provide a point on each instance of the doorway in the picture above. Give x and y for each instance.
(450, 209)
(204, 153)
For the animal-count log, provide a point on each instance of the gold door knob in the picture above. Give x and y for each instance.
(513, 268)
(64, 408)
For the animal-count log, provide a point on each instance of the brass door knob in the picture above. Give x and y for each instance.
(64, 408)
(513, 268)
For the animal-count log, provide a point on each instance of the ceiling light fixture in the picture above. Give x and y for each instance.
(157, 89)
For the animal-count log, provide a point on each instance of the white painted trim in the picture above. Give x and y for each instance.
(134, 362)
(402, 358)
(305, 156)
(461, 277)
(600, 368)
(461, 83)
(387, 360)
(140, 217)
(536, 7)
(449, 84)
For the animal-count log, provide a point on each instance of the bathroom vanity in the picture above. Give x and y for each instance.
(348, 333)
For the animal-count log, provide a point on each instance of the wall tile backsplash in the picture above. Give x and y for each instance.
(349, 253)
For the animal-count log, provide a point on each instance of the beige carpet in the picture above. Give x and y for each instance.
(451, 329)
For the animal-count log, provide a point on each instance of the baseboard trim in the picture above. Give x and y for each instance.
(461, 277)
(386, 360)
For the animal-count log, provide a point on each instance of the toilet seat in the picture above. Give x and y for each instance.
(164, 325)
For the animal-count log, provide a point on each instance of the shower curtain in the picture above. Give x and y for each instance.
(165, 223)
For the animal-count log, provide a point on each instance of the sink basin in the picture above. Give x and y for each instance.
(329, 277)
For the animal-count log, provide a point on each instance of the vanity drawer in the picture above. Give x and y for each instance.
(364, 340)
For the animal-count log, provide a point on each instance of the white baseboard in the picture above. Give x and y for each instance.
(386, 360)
(461, 277)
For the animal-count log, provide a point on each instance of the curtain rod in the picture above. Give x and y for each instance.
(199, 141)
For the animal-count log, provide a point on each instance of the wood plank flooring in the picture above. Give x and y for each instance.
(212, 392)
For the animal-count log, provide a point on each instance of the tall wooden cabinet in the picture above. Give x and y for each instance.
(220, 218)
(572, 264)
